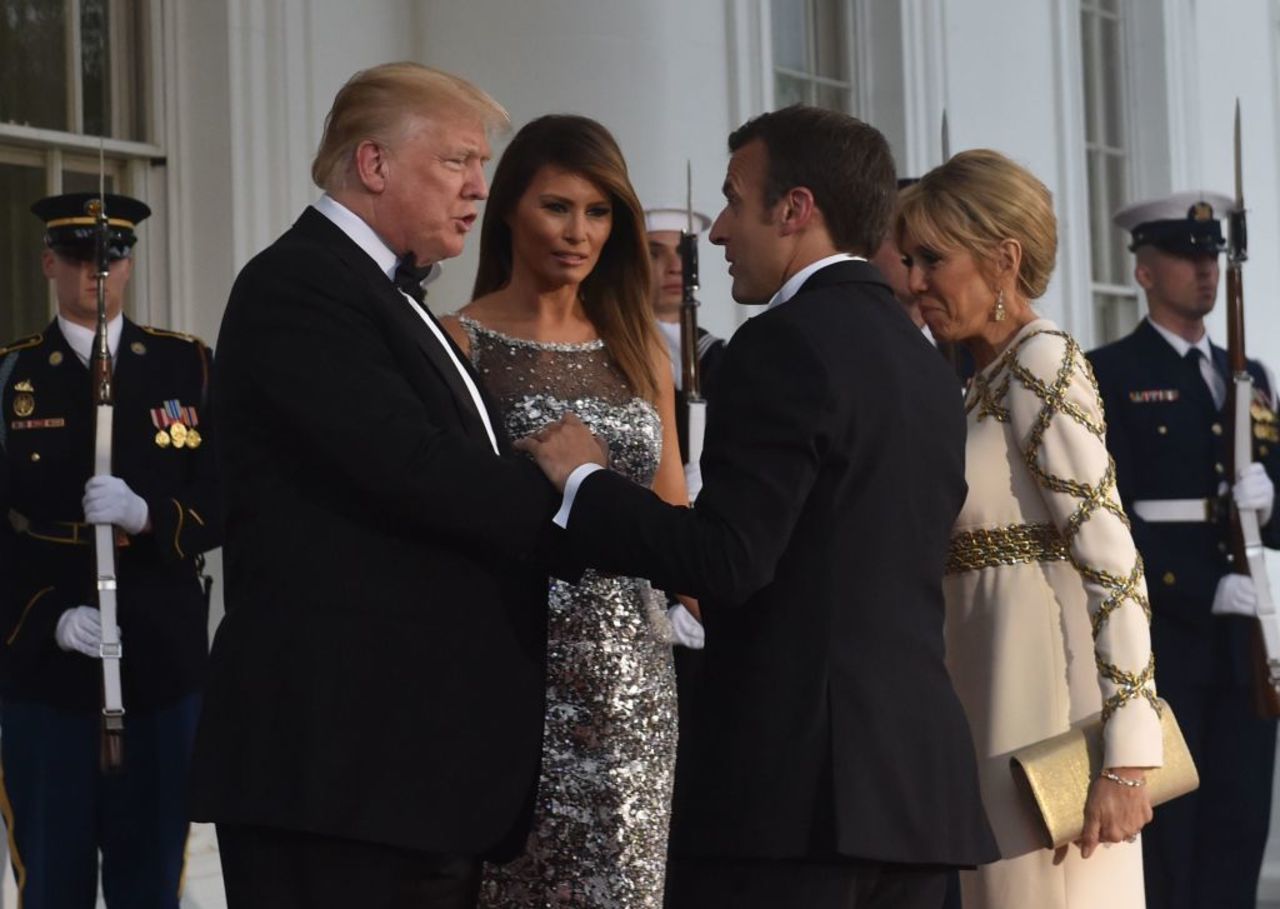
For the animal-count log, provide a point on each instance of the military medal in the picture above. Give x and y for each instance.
(178, 433)
(193, 438)
(24, 402)
(162, 438)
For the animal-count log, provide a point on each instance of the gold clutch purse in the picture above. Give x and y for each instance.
(1056, 773)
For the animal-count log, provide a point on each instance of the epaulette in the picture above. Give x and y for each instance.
(22, 344)
(166, 333)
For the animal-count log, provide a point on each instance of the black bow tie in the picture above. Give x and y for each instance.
(409, 279)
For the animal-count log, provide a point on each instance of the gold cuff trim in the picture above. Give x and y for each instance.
(1015, 544)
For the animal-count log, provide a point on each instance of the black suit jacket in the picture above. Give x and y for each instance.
(833, 469)
(379, 672)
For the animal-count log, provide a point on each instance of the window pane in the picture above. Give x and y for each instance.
(1092, 89)
(1112, 83)
(789, 33)
(1115, 238)
(111, 67)
(33, 71)
(25, 290)
(81, 182)
(1115, 315)
(829, 40)
(789, 90)
(1098, 211)
(834, 97)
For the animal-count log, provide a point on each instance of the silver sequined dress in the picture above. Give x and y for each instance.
(600, 826)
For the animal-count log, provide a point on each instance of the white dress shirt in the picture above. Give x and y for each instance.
(80, 339)
(788, 290)
(364, 236)
(1217, 384)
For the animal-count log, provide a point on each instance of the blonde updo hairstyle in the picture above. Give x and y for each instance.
(977, 200)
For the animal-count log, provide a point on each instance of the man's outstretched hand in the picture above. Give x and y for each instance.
(561, 447)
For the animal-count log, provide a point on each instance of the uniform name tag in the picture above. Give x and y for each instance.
(1153, 395)
(46, 423)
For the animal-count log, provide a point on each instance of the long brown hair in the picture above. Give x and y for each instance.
(615, 296)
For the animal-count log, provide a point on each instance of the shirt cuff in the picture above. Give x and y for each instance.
(580, 473)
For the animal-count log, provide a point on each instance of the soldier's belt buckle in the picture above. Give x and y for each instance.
(111, 651)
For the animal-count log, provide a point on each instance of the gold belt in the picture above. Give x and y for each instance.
(1013, 545)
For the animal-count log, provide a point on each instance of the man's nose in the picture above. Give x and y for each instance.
(476, 186)
(719, 235)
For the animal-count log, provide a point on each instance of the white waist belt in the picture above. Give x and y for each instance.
(1175, 510)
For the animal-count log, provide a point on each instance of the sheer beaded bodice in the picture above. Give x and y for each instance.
(535, 382)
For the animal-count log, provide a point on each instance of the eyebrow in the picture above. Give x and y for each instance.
(556, 197)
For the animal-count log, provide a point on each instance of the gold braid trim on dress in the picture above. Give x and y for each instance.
(990, 401)
(1015, 544)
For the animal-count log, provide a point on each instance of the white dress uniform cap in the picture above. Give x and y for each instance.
(674, 219)
(1186, 222)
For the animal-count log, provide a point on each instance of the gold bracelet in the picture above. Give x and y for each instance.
(1105, 774)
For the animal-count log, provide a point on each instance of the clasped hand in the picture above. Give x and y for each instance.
(109, 500)
(561, 447)
(1113, 813)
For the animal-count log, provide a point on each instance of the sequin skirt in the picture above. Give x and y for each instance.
(599, 835)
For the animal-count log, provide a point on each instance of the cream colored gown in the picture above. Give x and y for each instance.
(1047, 613)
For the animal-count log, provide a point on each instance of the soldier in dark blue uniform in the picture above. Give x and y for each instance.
(163, 501)
(1164, 389)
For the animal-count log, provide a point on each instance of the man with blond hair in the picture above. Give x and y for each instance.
(373, 718)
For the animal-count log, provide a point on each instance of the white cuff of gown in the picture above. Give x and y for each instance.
(580, 473)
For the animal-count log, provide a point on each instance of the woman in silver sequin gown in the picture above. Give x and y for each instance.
(561, 323)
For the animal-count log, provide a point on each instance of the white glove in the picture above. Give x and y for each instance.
(685, 629)
(693, 479)
(1235, 595)
(80, 629)
(1254, 490)
(109, 500)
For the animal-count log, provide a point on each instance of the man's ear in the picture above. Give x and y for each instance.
(46, 262)
(1142, 274)
(370, 164)
(796, 210)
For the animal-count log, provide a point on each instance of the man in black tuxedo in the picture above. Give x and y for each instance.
(831, 764)
(373, 718)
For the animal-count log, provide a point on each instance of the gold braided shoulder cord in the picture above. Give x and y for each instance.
(1101, 495)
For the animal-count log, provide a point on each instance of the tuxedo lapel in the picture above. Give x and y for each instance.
(399, 310)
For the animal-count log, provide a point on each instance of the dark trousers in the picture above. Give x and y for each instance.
(62, 810)
(269, 868)
(1205, 849)
(802, 884)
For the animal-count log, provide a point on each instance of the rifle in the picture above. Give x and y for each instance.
(690, 369)
(104, 536)
(1246, 541)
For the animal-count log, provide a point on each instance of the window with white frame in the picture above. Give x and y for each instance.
(812, 49)
(76, 78)
(1109, 160)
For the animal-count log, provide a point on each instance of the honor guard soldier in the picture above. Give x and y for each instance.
(664, 226)
(1164, 388)
(163, 501)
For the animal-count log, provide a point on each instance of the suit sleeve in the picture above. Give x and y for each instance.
(187, 519)
(302, 360)
(765, 437)
(1056, 414)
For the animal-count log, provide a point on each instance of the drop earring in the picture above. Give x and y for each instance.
(998, 312)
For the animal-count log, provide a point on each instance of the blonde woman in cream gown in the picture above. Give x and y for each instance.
(1047, 613)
